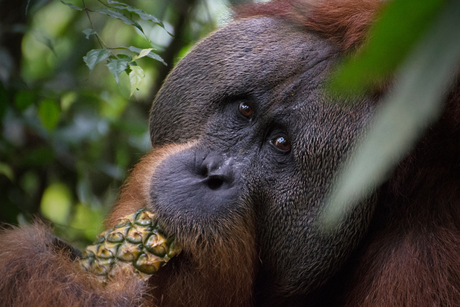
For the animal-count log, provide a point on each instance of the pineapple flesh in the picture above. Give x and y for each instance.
(137, 243)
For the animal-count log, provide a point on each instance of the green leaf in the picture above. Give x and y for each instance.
(399, 28)
(150, 54)
(72, 6)
(143, 15)
(143, 53)
(95, 56)
(118, 15)
(44, 40)
(49, 113)
(116, 67)
(6, 170)
(402, 117)
(135, 77)
(56, 203)
(89, 32)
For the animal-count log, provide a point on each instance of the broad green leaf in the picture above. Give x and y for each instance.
(142, 54)
(400, 26)
(67, 99)
(150, 54)
(116, 67)
(143, 15)
(89, 32)
(95, 56)
(6, 170)
(49, 112)
(56, 203)
(402, 117)
(72, 6)
(118, 15)
(135, 77)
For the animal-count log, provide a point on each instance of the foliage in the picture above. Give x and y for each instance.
(118, 63)
(425, 49)
(69, 134)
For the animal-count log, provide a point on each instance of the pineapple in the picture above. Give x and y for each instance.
(136, 243)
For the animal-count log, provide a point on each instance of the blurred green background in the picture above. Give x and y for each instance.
(70, 136)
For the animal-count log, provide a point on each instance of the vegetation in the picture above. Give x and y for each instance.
(77, 79)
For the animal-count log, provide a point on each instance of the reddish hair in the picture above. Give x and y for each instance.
(346, 22)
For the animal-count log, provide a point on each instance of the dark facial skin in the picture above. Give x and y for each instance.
(268, 142)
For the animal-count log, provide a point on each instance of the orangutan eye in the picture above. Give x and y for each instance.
(282, 143)
(246, 110)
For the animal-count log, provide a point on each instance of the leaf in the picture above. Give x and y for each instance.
(56, 203)
(6, 170)
(143, 15)
(116, 2)
(143, 53)
(116, 67)
(150, 54)
(72, 6)
(118, 15)
(135, 77)
(49, 113)
(89, 32)
(40, 37)
(400, 27)
(402, 117)
(95, 56)
(124, 56)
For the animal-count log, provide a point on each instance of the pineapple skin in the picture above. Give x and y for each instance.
(135, 244)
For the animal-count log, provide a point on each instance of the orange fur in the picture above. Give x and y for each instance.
(35, 272)
(214, 270)
(410, 258)
(218, 270)
(343, 21)
(135, 191)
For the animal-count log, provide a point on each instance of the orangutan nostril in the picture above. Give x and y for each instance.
(215, 183)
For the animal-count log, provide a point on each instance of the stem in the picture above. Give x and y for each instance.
(91, 23)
